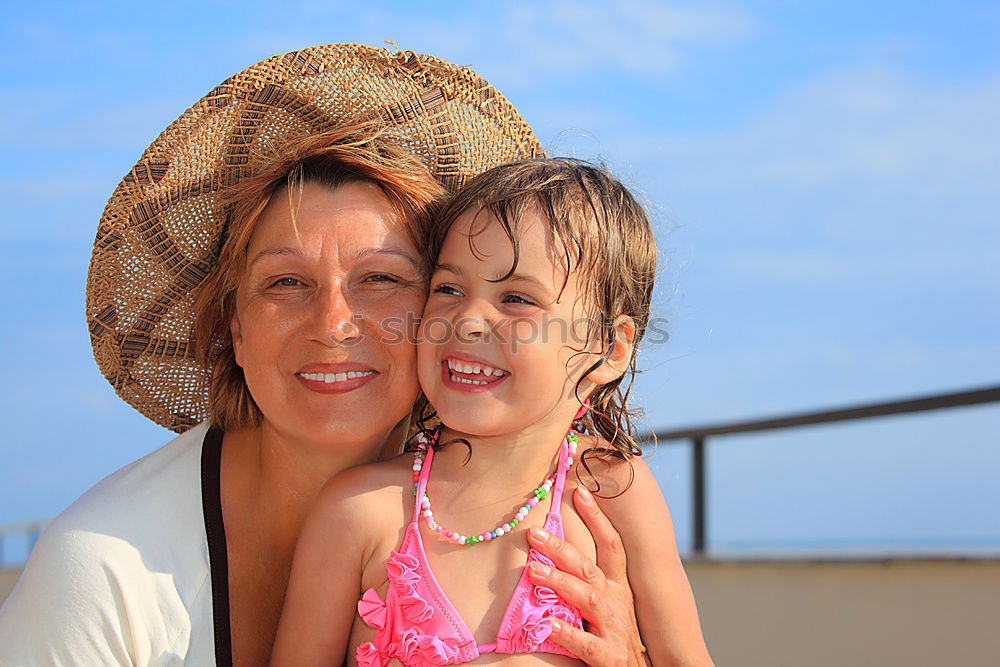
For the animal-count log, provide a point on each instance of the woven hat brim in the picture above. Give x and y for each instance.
(159, 235)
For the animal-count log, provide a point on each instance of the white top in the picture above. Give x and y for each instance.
(122, 576)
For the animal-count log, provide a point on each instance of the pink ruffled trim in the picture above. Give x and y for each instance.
(402, 568)
(418, 650)
(536, 631)
(368, 656)
(372, 610)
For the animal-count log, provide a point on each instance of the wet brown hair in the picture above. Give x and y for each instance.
(604, 234)
(362, 153)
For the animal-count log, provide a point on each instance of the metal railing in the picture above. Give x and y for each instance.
(697, 436)
(29, 529)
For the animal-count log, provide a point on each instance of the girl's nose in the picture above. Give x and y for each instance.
(473, 322)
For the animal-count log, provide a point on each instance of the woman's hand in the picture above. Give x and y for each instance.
(599, 590)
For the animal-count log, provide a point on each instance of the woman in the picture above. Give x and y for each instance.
(259, 268)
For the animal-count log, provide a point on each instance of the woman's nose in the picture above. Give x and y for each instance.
(335, 322)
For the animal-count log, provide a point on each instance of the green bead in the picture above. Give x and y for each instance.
(513, 522)
(572, 437)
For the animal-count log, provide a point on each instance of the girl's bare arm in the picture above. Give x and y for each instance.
(323, 591)
(637, 586)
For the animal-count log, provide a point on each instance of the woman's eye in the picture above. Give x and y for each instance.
(447, 289)
(286, 281)
(381, 278)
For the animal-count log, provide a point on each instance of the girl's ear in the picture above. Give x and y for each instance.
(621, 353)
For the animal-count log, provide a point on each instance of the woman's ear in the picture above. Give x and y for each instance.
(236, 333)
(621, 353)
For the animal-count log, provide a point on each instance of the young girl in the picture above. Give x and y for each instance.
(540, 293)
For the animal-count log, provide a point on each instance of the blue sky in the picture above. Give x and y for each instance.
(823, 177)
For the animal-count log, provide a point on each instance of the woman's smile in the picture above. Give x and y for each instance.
(336, 378)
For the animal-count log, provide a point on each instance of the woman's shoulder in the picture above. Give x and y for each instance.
(154, 495)
(131, 547)
(146, 515)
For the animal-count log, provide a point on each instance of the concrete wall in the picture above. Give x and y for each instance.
(7, 580)
(856, 614)
(814, 614)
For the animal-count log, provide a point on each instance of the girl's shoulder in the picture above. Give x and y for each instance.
(371, 487)
(605, 472)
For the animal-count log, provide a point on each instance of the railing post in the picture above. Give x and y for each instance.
(698, 493)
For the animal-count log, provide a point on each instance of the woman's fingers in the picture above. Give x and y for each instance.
(582, 595)
(589, 648)
(610, 550)
(566, 557)
(599, 590)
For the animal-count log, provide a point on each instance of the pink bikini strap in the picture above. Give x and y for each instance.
(557, 489)
(561, 467)
(425, 473)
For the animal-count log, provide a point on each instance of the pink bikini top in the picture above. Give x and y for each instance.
(418, 625)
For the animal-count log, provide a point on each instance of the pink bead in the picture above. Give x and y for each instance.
(533, 502)
(487, 536)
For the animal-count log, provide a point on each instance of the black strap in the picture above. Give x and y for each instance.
(218, 556)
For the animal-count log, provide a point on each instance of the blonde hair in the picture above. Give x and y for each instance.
(332, 159)
(605, 235)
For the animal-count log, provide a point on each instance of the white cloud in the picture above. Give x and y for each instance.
(574, 39)
(850, 127)
(806, 265)
(529, 42)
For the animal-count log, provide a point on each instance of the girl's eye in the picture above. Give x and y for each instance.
(447, 289)
(286, 281)
(517, 298)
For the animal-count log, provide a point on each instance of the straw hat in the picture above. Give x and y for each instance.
(160, 232)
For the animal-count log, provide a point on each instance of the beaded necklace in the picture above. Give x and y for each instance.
(569, 446)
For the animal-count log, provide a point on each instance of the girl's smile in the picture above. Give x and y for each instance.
(466, 373)
(499, 356)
